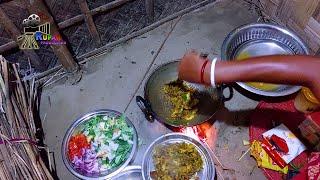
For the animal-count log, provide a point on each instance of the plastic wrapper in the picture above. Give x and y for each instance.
(263, 159)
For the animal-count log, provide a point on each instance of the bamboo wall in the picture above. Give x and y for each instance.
(302, 16)
(89, 27)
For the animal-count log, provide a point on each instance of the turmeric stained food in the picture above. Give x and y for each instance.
(178, 161)
(182, 99)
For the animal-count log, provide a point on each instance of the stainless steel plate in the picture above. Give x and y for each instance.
(260, 40)
(77, 126)
(129, 173)
(208, 172)
(261, 48)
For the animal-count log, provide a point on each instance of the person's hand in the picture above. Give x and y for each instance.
(190, 67)
(316, 91)
(314, 86)
(279, 69)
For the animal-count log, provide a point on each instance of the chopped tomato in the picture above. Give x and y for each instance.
(76, 144)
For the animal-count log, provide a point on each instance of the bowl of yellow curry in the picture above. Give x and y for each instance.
(177, 156)
(261, 39)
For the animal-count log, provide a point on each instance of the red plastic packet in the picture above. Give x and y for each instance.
(270, 149)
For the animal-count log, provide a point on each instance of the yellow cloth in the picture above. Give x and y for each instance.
(263, 159)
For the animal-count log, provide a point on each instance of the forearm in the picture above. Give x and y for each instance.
(295, 70)
(274, 69)
(279, 69)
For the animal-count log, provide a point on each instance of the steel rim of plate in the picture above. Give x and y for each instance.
(78, 122)
(233, 38)
(128, 170)
(202, 149)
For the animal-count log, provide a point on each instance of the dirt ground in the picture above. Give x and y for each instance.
(112, 80)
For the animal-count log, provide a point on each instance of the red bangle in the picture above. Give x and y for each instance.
(202, 71)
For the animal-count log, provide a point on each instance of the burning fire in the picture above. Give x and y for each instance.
(205, 132)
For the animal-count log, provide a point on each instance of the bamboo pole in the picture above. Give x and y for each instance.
(8, 46)
(150, 9)
(89, 21)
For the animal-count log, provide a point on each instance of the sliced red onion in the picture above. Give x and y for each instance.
(88, 163)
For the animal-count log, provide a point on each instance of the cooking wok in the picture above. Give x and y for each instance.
(155, 105)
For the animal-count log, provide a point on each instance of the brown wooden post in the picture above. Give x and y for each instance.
(150, 9)
(14, 32)
(61, 51)
(89, 21)
(8, 46)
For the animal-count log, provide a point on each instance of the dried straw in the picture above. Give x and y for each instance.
(19, 151)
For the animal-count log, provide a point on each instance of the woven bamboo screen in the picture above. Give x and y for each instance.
(302, 16)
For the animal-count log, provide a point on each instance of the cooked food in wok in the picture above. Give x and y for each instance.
(176, 161)
(182, 98)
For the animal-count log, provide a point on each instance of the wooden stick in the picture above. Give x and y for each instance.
(89, 21)
(244, 154)
(98, 10)
(7, 47)
(150, 9)
(109, 6)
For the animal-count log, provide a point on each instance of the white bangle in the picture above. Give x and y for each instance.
(213, 66)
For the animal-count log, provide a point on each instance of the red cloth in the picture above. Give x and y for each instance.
(316, 117)
(314, 166)
(268, 115)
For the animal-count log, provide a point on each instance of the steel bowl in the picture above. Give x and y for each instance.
(208, 171)
(260, 40)
(77, 126)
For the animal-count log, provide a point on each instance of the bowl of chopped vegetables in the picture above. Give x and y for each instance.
(177, 156)
(99, 144)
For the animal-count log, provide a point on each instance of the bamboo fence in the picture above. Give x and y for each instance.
(302, 16)
(19, 147)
